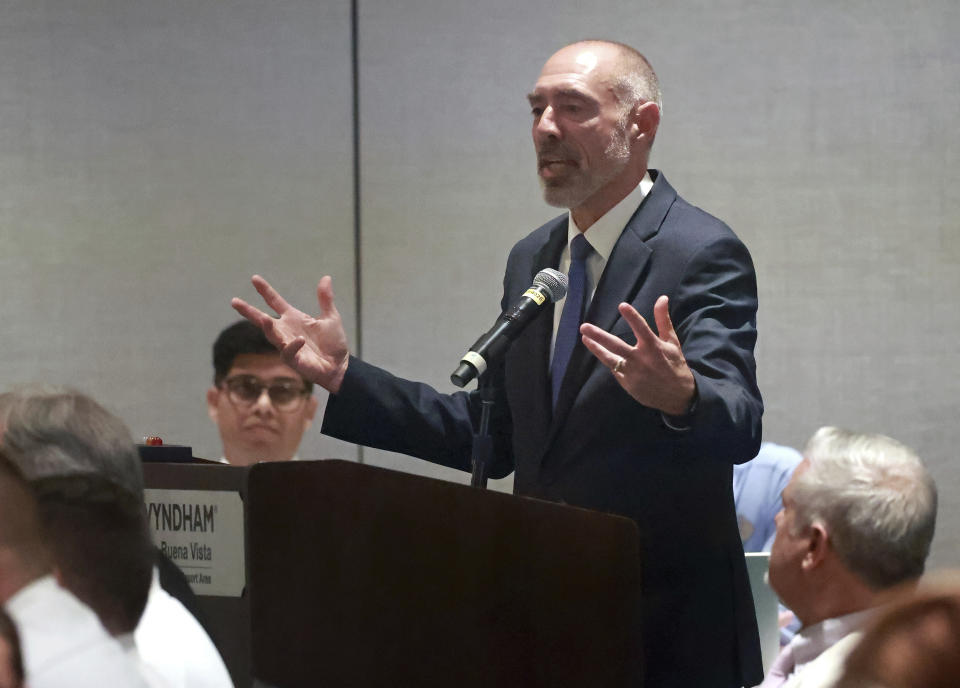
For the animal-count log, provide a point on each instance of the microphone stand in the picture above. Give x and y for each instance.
(482, 441)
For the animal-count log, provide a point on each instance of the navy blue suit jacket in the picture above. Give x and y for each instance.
(602, 450)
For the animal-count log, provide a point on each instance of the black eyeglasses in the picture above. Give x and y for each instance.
(286, 394)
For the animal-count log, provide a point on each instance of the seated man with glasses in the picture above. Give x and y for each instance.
(260, 404)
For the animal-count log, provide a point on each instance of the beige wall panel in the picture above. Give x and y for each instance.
(153, 155)
(823, 133)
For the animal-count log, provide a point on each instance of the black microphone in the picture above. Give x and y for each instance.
(548, 286)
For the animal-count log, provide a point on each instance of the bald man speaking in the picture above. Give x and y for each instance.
(636, 394)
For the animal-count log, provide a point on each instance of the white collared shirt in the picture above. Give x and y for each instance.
(129, 645)
(819, 650)
(174, 645)
(602, 236)
(64, 643)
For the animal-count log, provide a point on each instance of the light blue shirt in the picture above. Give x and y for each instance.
(757, 488)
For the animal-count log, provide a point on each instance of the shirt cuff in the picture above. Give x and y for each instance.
(683, 423)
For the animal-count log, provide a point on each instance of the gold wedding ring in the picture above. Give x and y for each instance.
(618, 366)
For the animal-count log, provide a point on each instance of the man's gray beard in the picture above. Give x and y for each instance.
(582, 185)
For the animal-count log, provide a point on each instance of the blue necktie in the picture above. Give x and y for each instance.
(568, 333)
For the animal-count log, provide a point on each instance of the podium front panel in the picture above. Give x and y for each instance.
(361, 576)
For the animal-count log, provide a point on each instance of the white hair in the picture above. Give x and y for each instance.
(876, 500)
(639, 85)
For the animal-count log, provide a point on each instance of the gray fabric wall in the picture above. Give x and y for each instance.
(154, 154)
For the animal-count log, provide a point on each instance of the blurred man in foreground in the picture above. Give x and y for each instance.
(102, 551)
(62, 640)
(914, 643)
(61, 433)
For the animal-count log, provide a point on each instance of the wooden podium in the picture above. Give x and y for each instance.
(362, 576)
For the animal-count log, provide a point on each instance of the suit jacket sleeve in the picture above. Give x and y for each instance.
(714, 313)
(380, 410)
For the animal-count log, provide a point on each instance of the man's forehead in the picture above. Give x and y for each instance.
(801, 468)
(266, 366)
(575, 69)
(583, 58)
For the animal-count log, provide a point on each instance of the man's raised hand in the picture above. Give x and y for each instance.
(654, 372)
(314, 347)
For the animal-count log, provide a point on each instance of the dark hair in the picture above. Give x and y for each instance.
(101, 544)
(9, 633)
(242, 337)
(60, 431)
(20, 528)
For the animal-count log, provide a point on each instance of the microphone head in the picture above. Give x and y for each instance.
(553, 282)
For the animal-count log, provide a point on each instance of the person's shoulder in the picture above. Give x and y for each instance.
(827, 668)
(103, 665)
(773, 465)
(696, 224)
(541, 235)
(542, 244)
(65, 643)
(162, 607)
(165, 620)
(778, 456)
(172, 641)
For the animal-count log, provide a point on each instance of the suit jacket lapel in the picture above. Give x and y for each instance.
(622, 277)
(547, 257)
(531, 351)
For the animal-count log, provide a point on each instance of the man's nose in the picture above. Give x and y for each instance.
(546, 126)
(264, 404)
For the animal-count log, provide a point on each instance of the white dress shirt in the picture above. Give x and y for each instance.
(819, 651)
(64, 645)
(602, 236)
(150, 675)
(174, 645)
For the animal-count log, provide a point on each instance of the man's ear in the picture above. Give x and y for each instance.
(818, 544)
(213, 399)
(644, 121)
